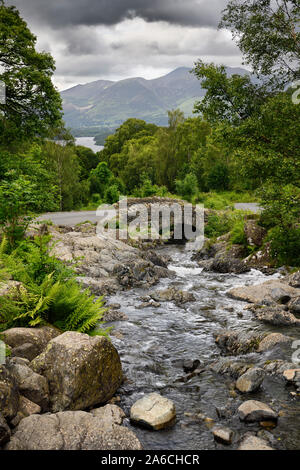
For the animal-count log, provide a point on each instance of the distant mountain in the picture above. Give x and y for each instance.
(106, 103)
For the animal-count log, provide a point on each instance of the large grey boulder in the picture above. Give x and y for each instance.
(153, 411)
(250, 442)
(31, 385)
(82, 371)
(251, 380)
(252, 410)
(9, 394)
(267, 291)
(71, 430)
(28, 342)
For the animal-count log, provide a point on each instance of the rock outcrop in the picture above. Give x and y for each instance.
(72, 430)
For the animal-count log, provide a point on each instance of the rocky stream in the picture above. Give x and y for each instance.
(206, 344)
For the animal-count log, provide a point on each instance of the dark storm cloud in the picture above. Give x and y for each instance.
(115, 39)
(61, 13)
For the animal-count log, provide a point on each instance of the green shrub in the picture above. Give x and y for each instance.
(237, 233)
(112, 194)
(227, 221)
(187, 187)
(285, 245)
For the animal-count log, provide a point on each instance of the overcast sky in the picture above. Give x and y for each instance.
(115, 39)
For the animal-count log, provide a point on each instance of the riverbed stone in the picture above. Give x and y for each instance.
(71, 430)
(31, 385)
(223, 435)
(4, 431)
(275, 316)
(29, 342)
(228, 265)
(292, 375)
(109, 414)
(153, 411)
(234, 342)
(9, 394)
(26, 408)
(294, 305)
(272, 340)
(173, 295)
(258, 294)
(251, 380)
(254, 233)
(294, 279)
(251, 442)
(253, 410)
(82, 371)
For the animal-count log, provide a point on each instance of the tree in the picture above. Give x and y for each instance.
(267, 32)
(175, 117)
(63, 164)
(22, 191)
(231, 99)
(100, 179)
(88, 160)
(33, 105)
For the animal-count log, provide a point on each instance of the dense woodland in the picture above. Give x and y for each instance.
(243, 144)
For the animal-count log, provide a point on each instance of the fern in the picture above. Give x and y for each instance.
(45, 296)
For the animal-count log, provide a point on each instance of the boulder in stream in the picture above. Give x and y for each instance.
(153, 411)
(252, 411)
(251, 442)
(272, 340)
(251, 380)
(222, 435)
(265, 292)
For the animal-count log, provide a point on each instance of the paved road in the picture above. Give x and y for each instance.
(73, 218)
(70, 218)
(248, 206)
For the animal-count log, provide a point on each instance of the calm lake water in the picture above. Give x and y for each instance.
(88, 142)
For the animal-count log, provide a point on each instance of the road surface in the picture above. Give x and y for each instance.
(248, 206)
(73, 218)
(70, 218)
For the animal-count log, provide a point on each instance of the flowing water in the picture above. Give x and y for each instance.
(153, 342)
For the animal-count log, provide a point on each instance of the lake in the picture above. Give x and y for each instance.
(88, 142)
